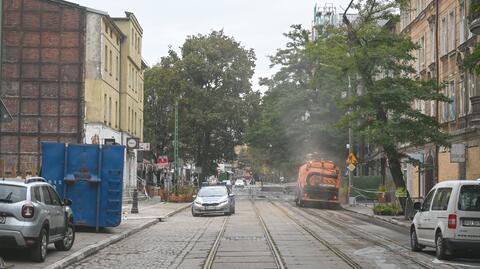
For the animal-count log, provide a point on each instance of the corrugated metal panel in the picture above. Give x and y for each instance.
(42, 77)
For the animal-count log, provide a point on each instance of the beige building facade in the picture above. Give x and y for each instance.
(440, 29)
(114, 84)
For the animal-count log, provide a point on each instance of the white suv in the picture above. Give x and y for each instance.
(448, 219)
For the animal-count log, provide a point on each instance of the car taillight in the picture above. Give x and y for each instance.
(452, 221)
(28, 211)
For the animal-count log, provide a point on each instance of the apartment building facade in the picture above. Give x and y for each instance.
(114, 84)
(68, 77)
(440, 29)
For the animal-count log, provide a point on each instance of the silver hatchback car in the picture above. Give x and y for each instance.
(33, 216)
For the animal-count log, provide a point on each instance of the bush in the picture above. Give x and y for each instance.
(387, 209)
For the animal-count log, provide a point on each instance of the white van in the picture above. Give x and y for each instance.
(448, 219)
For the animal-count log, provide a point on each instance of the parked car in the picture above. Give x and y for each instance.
(213, 200)
(448, 219)
(33, 216)
(239, 183)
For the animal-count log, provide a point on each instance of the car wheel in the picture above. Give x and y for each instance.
(39, 251)
(67, 242)
(440, 249)
(414, 241)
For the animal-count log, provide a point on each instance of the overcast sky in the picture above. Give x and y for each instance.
(257, 24)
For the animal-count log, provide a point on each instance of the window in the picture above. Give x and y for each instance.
(432, 43)
(471, 88)
(440, 202)
(46, 196)
(432, 109)
(53, 196)
(132, 37)
(462, 22)
(110, 63)
(428, 201)
(36, 194)
(106, 58)
(106, 27)
(110, 111)
(452, 110)
(421, 54)
(128, 120)
(452, 35)
(461, 99)
(117, 63)
(105, 109)
(135, 124)
(12, 193)
(444, 39)
(469, 198)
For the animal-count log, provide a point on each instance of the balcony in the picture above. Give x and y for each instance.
(474, 17)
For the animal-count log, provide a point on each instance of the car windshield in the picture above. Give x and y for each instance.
(12, 193)
(212, 191)
(469, 198)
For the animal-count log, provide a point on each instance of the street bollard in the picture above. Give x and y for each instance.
(135, 202)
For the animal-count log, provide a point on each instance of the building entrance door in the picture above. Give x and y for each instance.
(429, 182)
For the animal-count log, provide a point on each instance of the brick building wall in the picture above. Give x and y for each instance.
(42, 77)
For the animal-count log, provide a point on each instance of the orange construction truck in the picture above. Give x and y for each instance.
(318, 181)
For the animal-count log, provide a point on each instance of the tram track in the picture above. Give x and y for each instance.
(216, 244)
(376, 239)
(340, 254)
(271, 243)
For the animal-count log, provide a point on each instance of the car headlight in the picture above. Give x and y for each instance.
(197, 202)
(224, 202)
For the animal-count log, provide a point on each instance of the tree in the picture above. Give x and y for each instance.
(211, 82)
(382, 111)
(299, 109)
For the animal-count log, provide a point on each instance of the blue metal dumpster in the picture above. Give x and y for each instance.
(91, 176)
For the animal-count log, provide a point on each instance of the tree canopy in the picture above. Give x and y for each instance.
(210, 80)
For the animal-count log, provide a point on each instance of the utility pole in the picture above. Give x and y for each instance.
(175, 148)
(350, 144)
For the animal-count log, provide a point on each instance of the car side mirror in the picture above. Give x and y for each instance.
(417, 206)
(67, 202)
(231, 195)
(194, 196)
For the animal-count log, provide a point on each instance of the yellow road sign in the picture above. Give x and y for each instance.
(352, 159)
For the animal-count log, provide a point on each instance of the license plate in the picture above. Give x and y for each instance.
(3, 219)
(471, 223)
(209, 208)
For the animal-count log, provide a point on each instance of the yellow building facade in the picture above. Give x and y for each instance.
(113, 78)
(440, 29)
(131, 79)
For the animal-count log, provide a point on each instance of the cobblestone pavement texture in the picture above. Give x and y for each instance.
(85, 237)
(184, 241)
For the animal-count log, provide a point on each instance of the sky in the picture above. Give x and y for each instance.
(257, 24)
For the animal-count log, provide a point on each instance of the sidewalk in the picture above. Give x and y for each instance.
(366, 210)
(88, 242)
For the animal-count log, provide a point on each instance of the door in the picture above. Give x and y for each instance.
(424, 226)
(55, 210)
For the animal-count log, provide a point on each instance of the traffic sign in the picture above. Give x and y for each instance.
(352, 159)
(351, 167)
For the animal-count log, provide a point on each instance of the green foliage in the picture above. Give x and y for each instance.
(387, 209)
(211, 82)
(299, 111)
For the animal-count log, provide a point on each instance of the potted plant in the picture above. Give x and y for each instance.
(381, 193)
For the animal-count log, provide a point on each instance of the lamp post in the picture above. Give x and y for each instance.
(175, 147)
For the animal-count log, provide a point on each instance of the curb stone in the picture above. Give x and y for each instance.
(391, 221)
(92, 249)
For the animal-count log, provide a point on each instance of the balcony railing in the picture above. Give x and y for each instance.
(474, 16)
